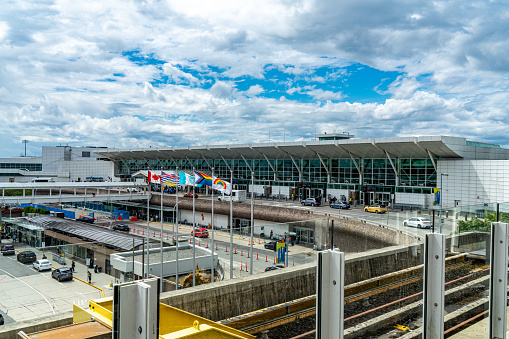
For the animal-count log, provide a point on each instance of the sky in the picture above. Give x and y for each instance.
(133, 74)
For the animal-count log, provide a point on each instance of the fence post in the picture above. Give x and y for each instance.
(433, 288)
(498, 280)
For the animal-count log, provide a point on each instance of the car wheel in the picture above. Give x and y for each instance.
(39, 269)
(376, 212)
(405, 224)
(302, 203)
(419, 226)
(59, 279)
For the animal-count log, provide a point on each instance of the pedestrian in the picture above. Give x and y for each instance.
(73, 265)
(271, 234)
(89, 277)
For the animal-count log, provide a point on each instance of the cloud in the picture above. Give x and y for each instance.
(133, 74)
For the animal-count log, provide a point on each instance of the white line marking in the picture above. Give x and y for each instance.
(52, 310)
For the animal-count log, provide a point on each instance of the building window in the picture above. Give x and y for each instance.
(85, 154)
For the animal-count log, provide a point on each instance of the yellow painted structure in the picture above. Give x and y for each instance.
(173, 323)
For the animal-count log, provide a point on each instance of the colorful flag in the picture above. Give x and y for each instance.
(154, 178)
(436, 196)
(222, 186)
(202, 179)
(169, 179)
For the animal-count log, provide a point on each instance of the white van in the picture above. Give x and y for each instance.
(42, 180)
(237, 196)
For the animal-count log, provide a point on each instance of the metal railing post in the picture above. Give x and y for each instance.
(330, 297)
(498, 280)
(433, 288)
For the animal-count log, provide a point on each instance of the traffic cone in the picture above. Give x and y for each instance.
(226, 248)
(235, 250)
(159, 234)
(248, 253)
(259, 243)
(274, 259)
(293, 262)
(246, 267)
(189, 241)
(266, 259)
(138, 231)
(154, 234)
(167, 236)
(199, 242)
(216, 246)
(207, 244)
(256, 255)
(241, 265)
(143, 231)
(241, 253)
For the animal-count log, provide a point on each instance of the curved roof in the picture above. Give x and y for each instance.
(401, 147)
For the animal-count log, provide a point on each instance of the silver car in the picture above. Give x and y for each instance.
(42, 265)
(418, 222)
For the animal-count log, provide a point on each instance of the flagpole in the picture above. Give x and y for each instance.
(161, 237)
(148, 226)
(176, 226)
(252, 223)
(212, 230)
(194, 235)
(231, 227)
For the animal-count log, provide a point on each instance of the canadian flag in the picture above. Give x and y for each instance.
(155, 178)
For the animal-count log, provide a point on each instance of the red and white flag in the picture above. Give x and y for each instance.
(154, 178)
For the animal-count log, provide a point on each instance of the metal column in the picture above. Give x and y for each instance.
(498, 280)
(434, 284)
(330, 297)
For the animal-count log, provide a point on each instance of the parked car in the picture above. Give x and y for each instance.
(27, 257)
(7, 250)
(310, 202)
(339, 204)
(121, 227)
(5, 236)
(271, 245)
(274, 267)
(63, 273)
(376, 208)
(418, 222)
(201, 233)
(190, 195)
(1, 319)
(42, 265)
(86, 218)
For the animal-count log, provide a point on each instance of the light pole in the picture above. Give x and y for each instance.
(441, 197)
(175, 221)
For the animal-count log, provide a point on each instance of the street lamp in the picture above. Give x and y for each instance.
(175, 222)
(442, 175)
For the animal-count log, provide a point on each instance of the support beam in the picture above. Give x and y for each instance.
(297, 167)
(272, 167)
(361, 175)
(330, 295)
(433, 288)
(326, 169)
(498, 280)
(393, 167)
(247, 164)
(432, 159)
(226, 163)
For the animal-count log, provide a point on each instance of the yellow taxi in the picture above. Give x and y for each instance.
(376, 208)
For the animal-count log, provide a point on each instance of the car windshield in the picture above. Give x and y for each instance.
(424, 219)
(44, 262)
(64, 270)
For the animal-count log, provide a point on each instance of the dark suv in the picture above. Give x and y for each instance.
(27, 257)
(62, 273)
(271, 245)
(121, 227)
(7, 250)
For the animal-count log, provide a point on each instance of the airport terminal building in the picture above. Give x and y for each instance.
(402, 170)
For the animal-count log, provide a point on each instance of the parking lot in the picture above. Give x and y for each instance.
(27, 294)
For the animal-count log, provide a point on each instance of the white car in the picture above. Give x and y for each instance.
(418, 222)
(42, 265)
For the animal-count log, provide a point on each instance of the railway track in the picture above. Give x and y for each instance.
(374, 306)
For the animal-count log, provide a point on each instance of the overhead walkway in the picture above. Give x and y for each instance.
(69, 192)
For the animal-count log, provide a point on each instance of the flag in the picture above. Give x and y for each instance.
(202, 179)
(154, 178)
(186, 179)
(222, 186)
(436, 196)
(169, 179)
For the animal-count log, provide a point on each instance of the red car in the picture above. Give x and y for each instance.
(190, 195)
(201, 233)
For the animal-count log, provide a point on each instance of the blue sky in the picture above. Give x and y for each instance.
(129, 74)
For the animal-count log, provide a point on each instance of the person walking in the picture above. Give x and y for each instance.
(89, 277)
(73, 265)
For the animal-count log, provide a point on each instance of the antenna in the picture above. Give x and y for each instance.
(25, 142)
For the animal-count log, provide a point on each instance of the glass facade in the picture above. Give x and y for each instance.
(415, 175)
(30, 167)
